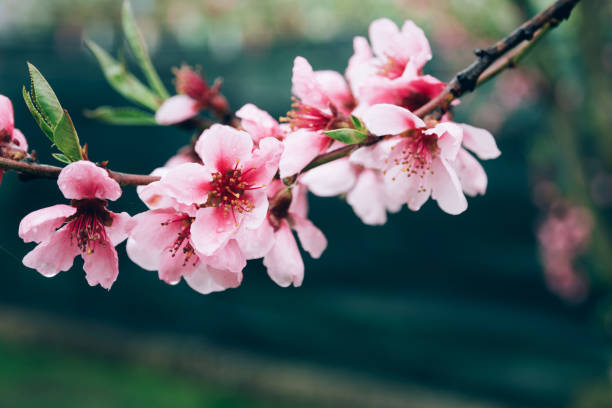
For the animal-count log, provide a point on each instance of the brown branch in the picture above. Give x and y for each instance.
(52, 172)
(476, 73)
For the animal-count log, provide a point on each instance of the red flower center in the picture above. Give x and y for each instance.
(303, 116)
(182, 244)
(418, 149)
(228, 191)
(392, 68)
(88, 225)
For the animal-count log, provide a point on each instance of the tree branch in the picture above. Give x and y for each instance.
(52, 172)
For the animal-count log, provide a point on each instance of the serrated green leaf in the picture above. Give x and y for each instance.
(122, 81)
(347, 136)
(61, 157)
(358, 124)
(38, 117)
(66, 138)
(43, 98)
(139, 48)
(121, 116)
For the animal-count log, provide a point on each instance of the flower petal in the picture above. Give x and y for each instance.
(480, 141)
(312, 239)
(446, 188)
(118, 231)
(261, 168)
(188, 184)
(471, 174)
(306, 87)
(284, 261)
(223, 147)
(336, 89)
(19, 140)
(83, 179)
(52, 256)
(228, 257)
(258, 123)
(207, 280)
(7, 120)
(101, 266)
(212, 228)
(330, 179)
(40, 225)
(256, 243)
(368, 198)
(449, 138)
(177, 109)
(385, 119)
(301, 147)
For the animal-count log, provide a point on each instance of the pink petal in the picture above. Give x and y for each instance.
(83, 179)
(19, 140)
(223, 147)
(312, 239)
(255, 217)
(258, 123)
(446, 188)
(212, 228)
(360, 65)
(284, 261)
(386, 119)
(449, 138)
(118, 231)
(177, 109)
(471, 174)
(336, 89)
(261, 168)
(207, 280)
(229, 258)
(40, 225)
(7, 121)
(173, 266)
(300, 148)
(52, 256)
(101, 266)
(374, 157)
(256, 243)
(368, 198)
(385, 38)
(331, 179)
(299, 200)
(414, 191)
(480, 141)
(306, 87)
(416, 44)
(188, 184)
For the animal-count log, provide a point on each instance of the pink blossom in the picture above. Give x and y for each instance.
(228, 189)
(160, 240)
(564, 236)
(13, 144)
(429, 160)
(274, 241)
(84, 227)
(194, 95)
(322, 102)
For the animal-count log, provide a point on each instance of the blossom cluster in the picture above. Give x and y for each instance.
(240, 191)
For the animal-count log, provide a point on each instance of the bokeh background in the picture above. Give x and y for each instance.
(506, 305)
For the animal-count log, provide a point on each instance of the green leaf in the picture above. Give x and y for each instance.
(358, 124)
(66, 138)
(121, 116)
(347, 136)
(38, 116)
(139, 48)
(122, 81)
(43, 98)
(61, 157)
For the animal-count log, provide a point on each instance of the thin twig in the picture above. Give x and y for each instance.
(52, 172)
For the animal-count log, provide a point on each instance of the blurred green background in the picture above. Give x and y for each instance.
(430, 310)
